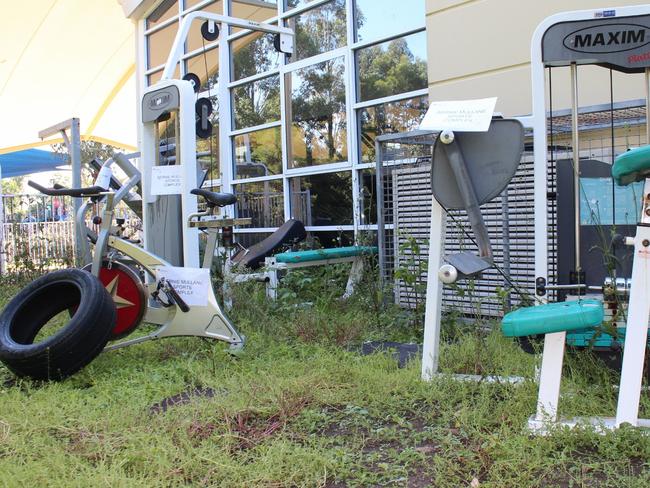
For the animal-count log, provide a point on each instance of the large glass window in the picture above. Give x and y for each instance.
(191, 3)
(287, 120)
(380, 18)
(258, 153)
(392, 67)
(156, 75)
(165, 11)
(319, 30)
(159, 44)
(206, 66)
(257, 102)
(291, 4)
(318, 131)
(256, 10)
(253, 54)
(368, 196)
(322, 199)
(248, 239)
(386, 118)
(330, 238)
(261, 201)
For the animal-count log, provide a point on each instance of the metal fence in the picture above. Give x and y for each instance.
(265, 208)
(23, 208)
(404, 216)
(36, 245)
(37, 232)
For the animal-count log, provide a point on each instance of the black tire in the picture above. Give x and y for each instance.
(73, 346)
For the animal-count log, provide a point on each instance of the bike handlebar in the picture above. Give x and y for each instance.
(58, 190)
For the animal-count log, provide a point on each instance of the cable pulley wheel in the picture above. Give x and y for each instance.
(210, 31)
(195, 80)
(203, 107)
(203, 129)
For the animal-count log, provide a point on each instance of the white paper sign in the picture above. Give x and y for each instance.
(460, 115)
(166, 180)
(192, 284)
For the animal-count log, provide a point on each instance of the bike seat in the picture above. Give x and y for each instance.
(631, 166)
(215, 199)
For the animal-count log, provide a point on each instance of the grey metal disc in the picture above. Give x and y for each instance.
(491, 158)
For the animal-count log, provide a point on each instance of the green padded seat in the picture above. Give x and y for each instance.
(321, 254)
(553, 317)
(631, 166)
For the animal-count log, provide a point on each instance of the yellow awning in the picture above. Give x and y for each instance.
(66, 58)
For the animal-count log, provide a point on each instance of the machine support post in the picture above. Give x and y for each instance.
(647, 106)
(636, 335)
(75, 160)
(433, 307)
(576, 161)
(73, 145)
(381, 231)
(550, 377)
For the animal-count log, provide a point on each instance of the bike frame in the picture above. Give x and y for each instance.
(202, 321)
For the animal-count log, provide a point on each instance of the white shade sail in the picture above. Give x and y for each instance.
(66, 58)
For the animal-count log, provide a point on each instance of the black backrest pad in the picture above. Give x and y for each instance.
(290, 232)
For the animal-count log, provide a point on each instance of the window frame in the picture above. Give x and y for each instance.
(226, 83)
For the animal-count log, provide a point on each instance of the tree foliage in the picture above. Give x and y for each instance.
(390, 70)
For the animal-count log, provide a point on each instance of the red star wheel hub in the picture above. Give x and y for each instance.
(125, 286)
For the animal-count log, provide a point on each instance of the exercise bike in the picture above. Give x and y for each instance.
(124, 286)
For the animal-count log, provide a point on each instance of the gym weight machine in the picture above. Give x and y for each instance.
(568, 39)
(98, 311)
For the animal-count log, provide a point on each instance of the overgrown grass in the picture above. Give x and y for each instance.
(301, 407)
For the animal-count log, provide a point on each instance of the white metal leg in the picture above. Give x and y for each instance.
(227, 295)
(636, 335)
(356, 274)
(431, 345)
(550, 377)
(272, 284)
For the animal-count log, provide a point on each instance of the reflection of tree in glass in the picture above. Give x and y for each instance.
(385, 72)
(319, 30)
(257, 102)
(331, 198)
(254, 54)
(386, 118)
(260, 147)
(318, 109)
(206, 66)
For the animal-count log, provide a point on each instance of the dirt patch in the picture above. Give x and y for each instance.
(181, 398)
(251, 428)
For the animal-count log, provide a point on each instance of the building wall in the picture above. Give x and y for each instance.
(481, 48)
